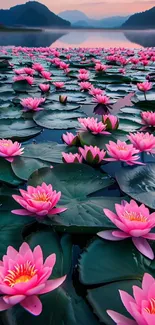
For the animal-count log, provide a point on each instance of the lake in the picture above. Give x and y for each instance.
(80, 38)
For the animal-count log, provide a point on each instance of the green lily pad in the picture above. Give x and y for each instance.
(18, 129)
(57, 119)
(84, 212)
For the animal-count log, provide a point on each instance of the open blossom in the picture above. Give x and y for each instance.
(141, 306)
(32, 104)
(101, 99)
(19, 71)
(83, 76)
(71, 158)
(148, 118)
(92, 155)
(29, 71)
(30, 80)
(44, 87)
(59, 84)
(81, 71)
(38, 201)
(111, 121)
(144, 86)
(96, 91)
(143, 141)
(24, 276)
(38, 67)
(85, 85)
(70, 139)
(132, 221)
(101, 67)
(91, 124)
(46, 75)
(121, 151)
(63, 65)
(9, 150)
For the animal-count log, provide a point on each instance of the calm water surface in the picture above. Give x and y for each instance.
(80, 38)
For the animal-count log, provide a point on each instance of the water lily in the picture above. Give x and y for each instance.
(141, 306)
(148, 118)
(9, 149)
(24, 276)
(44, 87)
(32, 104)
(92, 155)
(91, 124)
(71, 158)
(143, 141)
(132, 221)
(59, 84)
(121, 151)
(70, 139)
(111, 121)
(38, 201)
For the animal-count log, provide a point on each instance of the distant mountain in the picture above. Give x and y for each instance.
(79, 19)
(31, 14)
(73, 16)
(141, 20)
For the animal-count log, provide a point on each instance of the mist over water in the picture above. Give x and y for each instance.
(80, 38)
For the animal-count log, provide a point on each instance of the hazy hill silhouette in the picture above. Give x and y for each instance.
(31, 14)
(141, 20)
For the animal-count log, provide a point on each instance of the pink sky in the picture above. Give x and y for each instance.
(93, 8)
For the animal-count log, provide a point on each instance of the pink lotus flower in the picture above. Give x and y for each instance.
(121, 151)
(19, 71)
(63, 65)
(91, 124)
(9, 149)
(46, 75)
(96, 91)
(133, 221)
(148, 118)
(70, 158)
(24, 276)
(29, 71)
(44, 87)
(38, 201)
(92, 155)
(143, 141)
(144, 86)
(101, 99)
(32, 104)
(83, 76)
(83, 71)
(38, 67)
(111, 121)
(85, 85)
(100, 67)
(141, 307)
(63, 99)
(29, 79)
(59, 84)
(70, 139)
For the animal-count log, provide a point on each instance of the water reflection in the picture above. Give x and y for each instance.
(144, 38)
(30, 39)
(82, 38)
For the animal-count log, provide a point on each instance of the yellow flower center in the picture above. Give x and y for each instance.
(41, 197)
(21, 273)
(134, 216)
(151, 308)
(122, 147)
(5, 144)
